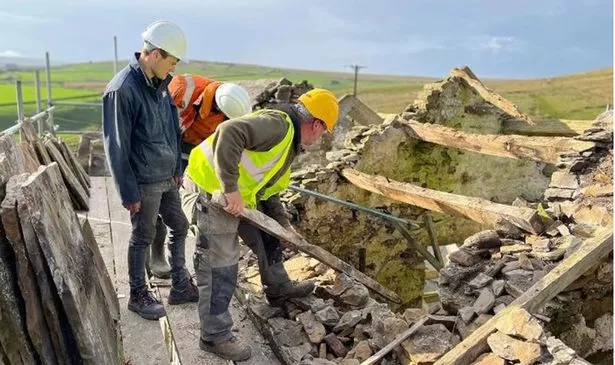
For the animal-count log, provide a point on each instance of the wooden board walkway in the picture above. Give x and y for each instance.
(173, 339)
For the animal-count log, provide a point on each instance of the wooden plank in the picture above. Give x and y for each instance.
(99, 219)
(142, 339)
(542, 149)
(398, 340)
(30, 157)
(549, 127)
(476, 209)
(571, 268)
(511, 109)
(13, 336)
(27, 130)
(77, 168)
(270, 226)
(401, 337)
(41, 152)
(55, 317)
(69, 259)
(15, 161)
(185, 325)
(35, 318)
(74, 186)
(72, 165)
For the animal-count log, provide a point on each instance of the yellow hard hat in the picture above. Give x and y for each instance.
(322, 104)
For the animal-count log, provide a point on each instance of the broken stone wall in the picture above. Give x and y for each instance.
(388, 151)
(494, 267)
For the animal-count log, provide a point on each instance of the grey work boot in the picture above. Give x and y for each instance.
(146, 305)
(189, 293)
(280, 288)
(229, 350)
(155, 263)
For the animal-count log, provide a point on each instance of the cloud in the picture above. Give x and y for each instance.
(495, 44)
(22, 18)
(10, 53)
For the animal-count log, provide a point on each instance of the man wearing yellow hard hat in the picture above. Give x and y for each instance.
(248, 160)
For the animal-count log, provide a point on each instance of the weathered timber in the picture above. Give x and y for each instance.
(15, 161)
(30, 157)
(548, 127)
(78, 193)
(13, 336)
(398, 340)
(41, 152)
(70, 260)
(63, 340)
(76, 166)
(271, 226)
(571, 268)
(35, 318)
(17, 347)
(101, 271)
(27, 131)
(493, 98)
(542, 149)
(476, 209)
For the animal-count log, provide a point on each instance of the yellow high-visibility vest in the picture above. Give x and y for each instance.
(255, 168)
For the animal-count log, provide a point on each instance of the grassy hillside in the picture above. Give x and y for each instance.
(579, 96)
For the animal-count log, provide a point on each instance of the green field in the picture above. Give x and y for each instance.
(578, 96)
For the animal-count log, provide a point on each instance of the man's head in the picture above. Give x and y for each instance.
(323, 110)
(164, 44)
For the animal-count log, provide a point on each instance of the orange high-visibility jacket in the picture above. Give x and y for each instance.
(194, 96)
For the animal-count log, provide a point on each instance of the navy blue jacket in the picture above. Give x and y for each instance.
(141, 131)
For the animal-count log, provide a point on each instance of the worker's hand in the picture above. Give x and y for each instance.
(234, 203)
(179, 180)
(134, 207)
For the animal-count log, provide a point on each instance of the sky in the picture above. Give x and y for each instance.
(496, 38)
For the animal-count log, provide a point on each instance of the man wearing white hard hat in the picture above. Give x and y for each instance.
(143, 149)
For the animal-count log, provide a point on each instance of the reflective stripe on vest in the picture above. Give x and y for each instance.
(190, 85)
(255, 168)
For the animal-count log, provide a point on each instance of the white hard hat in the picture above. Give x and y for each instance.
(233, 100)
(166, 36)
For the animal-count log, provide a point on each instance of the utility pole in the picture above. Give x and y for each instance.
(115, 55)
(356, 76)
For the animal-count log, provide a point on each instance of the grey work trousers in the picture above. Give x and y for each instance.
(158, 198)
(216, 264)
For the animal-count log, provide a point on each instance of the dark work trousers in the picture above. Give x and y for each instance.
(158, 198)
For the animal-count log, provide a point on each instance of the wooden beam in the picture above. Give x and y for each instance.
(509, 108)
(399, 339)
(271, 226)
(476, 209)
(78, 192)
(591, 251)
(72, 264)
(548, 127)
(542, 149)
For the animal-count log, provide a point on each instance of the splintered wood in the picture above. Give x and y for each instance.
(57, 302)
(476, 209)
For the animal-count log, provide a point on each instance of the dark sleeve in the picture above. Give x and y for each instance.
(179, 170)
(274, 208)
(118, 118)
(259, 133)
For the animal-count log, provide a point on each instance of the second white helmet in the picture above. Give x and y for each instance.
(168, 37)
(233, 100)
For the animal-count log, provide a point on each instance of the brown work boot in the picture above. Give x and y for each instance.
(229, 350)
(277, 295)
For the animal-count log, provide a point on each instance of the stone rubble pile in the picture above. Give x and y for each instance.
(282, 91)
